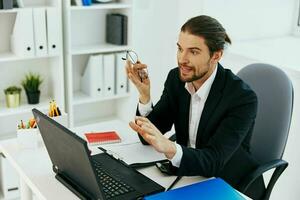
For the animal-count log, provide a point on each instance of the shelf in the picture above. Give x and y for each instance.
(97, 48)
(102, 6)
(9, 56)
(81, 98)
(23, 108)
(15, 10)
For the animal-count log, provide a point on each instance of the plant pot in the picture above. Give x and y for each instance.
(13, 100)
(33, 97)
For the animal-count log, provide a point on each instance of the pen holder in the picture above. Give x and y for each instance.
(28, 138)
(62, 119)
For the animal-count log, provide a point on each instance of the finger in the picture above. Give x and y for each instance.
(138, 129)
(139, 66)
(147, 137)
(145, 126)
(129, 67)
(135, 80)
(134, 126)
(143, 119)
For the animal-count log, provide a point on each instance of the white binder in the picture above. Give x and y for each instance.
(92, 79)
(22, 43)
(121, 78)
(109, 74)
(39, 27)
(53, 31)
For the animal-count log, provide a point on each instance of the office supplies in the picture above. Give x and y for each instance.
(87, 2)
(109, 74)
(90, 177)
(53, 38)
(165, 167)
(95, 138)
(215, 189)
(22, 40)
(92, 80)
(40, 34)
(76, 2)
(146, 164)
(174, 182)
(54, 110)
(102, 1)
(121, 78)
(6, 4)
(116, 29)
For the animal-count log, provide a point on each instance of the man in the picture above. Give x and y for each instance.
(213, 111)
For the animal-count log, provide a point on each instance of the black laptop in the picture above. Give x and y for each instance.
(99, 176)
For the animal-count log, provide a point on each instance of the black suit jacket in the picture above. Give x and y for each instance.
(224, 132)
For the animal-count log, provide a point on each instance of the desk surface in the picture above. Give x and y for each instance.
(35, 168)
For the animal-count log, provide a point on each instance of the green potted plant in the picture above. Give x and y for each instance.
(31, 85)
(13, 96)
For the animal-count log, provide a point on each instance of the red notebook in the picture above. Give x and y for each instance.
(95, 138)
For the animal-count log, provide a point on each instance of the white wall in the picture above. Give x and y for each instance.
(154, 39)
(246, 19)
(156, 25)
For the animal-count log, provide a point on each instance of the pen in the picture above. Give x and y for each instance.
(174, 182)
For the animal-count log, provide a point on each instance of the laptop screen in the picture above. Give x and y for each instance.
(69, 154)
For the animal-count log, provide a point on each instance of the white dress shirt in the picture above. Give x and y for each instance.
(198, 99)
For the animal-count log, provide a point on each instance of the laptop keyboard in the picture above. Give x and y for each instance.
(112, 187)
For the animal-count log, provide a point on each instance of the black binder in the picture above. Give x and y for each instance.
(6, 4)
(116, 29)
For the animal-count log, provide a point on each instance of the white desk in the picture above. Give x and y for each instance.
(36, 175)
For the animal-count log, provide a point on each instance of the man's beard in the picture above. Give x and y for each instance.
(193, 78)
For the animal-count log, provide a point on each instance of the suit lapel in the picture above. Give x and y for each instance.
(212, 101)
(185, 112)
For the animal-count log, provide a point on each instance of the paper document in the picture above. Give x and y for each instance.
(136, 153)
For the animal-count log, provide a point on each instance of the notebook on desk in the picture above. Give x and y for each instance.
(108, 137)
(215, 189)
(100, 176)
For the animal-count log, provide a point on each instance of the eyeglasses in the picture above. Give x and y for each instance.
(134, 59)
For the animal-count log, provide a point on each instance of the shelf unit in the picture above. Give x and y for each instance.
(15, 67)
(84, 35)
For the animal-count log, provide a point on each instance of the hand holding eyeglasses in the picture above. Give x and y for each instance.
(133, 58)
(138, 75)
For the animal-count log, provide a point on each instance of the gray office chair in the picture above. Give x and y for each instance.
(275, 105)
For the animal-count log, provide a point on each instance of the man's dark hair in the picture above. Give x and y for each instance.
(210, 29)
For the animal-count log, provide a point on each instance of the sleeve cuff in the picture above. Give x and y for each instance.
(145, 109)
(176, 160)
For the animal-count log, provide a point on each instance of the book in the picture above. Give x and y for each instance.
(95, 138)
(216, 189)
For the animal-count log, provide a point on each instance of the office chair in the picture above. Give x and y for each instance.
(275, 105)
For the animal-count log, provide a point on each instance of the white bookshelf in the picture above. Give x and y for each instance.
(14, 67)
(98, 48)
(84, 35)
(104, 6)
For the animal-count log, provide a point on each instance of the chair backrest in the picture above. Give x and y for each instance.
(275, 95)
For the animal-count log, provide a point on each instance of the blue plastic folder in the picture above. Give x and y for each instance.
(213, 189)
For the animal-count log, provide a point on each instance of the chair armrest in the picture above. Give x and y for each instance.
(278, 164)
